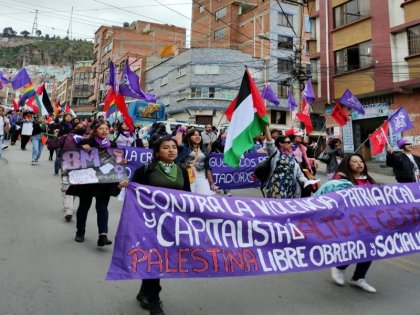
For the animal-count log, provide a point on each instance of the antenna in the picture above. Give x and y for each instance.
(35, 24)
(70, 29)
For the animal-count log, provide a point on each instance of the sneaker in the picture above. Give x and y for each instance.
(144, 302)
(103, 240)
(337, 275)
(156, 309)
(80, 237)
(68, 217)
(5, 146)
(362, 284)
(33, 162)
(36, 161)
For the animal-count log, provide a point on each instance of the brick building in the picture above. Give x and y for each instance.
(371, 47)
(139, 39)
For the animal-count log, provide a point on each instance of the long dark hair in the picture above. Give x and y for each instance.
(187, 138)
(344, 168)
(156, 147)
(96, 126)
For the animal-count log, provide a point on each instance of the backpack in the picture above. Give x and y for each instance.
(262, 172)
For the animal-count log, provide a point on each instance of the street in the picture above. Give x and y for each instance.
(44, 271)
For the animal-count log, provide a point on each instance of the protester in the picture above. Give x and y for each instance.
(102, 192)
(285, 176)
(353, 168)
(193, 156)
(26, 126)
(209, 136)
(335, 155)
(160, 131)
(64, 127)
(218, 146)
(123, 136)
(13, 120)
(405, 164)
(69, 141)
(39, 127)
(4, 127)
(161, 172)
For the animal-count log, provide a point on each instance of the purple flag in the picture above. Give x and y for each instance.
(269, 95)
(112, 81)
(291, 101)
(400, 121)
(165, 233)
(130, 86)
(3, 78)
(308, 93)
(351, 101)
(20, 79)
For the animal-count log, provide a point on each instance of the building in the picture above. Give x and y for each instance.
(371, 47)
(139, 39)
(199, 84)
(274, 31)
(61, 91)
(81, 89)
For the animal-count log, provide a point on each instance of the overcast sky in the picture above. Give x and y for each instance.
(89, 15)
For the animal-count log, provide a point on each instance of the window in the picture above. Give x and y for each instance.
(181, 72)
(282, 89)
(353, 57)
(206, 69)
(350, 11)
(203, 92)
(312, 22)
(204, 120)
(244, 7)
(219, 34)
(278, 117)
(182, 95)
(228, 94)
(284, 65)
(315, 71)
(413, 34)
(150, 87)
(195, 92)
(163, 81)
(201, 8)
(220, 13)
(285, 19)
(107, 48)
(285, 42)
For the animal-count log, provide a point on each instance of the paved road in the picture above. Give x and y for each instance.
(44, 272)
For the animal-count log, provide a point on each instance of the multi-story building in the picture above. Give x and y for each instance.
(61, 91)
(140, 39)
(270, 30)
(81, 89)
(371, 47)
(199, 84)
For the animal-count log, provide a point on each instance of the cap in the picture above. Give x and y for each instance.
(294, 132)
(402, 142)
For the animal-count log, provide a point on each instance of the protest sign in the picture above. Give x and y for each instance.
(136, 157)
(167, 233)
(80, 167)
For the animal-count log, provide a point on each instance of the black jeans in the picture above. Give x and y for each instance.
(24, 141)
(361, 270)
(101, 211)
(150, 288)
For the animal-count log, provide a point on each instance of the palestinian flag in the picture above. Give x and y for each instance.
(248, 117)
(44, 100)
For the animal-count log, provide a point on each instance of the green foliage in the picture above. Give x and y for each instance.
(47, 51)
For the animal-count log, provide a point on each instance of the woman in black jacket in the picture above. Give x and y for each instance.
(102, 192)
(406, 166)
(161, 172)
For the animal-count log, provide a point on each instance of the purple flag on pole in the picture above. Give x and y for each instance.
(400, 121)
(3, 78)
(308, 93)
(112, 76)
(130, 86)
(351, 101)
(291, 101)
(269, 95)
(20, 79)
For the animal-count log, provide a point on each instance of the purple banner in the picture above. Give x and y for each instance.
(167, 233)
(80, 167)
(226, 177)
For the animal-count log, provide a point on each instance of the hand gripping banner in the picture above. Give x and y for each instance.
(167, 233)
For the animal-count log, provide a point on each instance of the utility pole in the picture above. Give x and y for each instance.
(35, 24)
(70, 28)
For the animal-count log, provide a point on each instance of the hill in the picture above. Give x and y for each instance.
(57, 52)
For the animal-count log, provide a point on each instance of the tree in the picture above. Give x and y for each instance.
(47, 36)
(24, 33)
(38, 33)
(9, 32)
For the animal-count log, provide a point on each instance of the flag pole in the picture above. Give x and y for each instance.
(371, 133)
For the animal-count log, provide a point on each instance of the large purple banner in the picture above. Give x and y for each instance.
(172, 234)
(224, 176)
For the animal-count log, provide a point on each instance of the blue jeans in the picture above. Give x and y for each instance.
(36, 147)
(101, 211)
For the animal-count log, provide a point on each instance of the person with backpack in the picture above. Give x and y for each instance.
(285, 177)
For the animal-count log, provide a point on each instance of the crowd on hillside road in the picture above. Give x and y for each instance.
(181, 161)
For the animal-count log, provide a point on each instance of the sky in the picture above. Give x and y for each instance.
(89, 15)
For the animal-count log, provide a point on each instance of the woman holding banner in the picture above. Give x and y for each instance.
(123, 136)
(102, 192)
(161, 172)
(285, 176)
(353, 168)
(194, 157)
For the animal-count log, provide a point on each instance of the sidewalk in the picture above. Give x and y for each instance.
(378, 170)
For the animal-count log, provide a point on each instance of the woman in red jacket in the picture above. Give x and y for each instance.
(353, 168)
